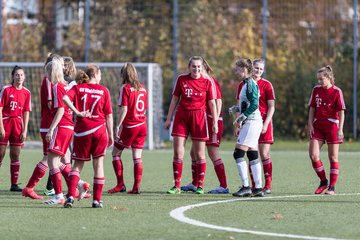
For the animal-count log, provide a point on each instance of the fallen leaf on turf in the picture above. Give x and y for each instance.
(278, 216)
(119, 208)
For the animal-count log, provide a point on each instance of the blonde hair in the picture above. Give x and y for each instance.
(54, 70)
(69, 67)
(194, 58)
(328, 72)
(129, 75)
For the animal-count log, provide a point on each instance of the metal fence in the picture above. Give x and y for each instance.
(295, 37)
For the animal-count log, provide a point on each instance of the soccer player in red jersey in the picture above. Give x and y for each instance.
(131, 129)
(325, 125)
(191, 94)
(15, 105)
(60, 131)
(212, 144)
(93, 130)
(267, 109)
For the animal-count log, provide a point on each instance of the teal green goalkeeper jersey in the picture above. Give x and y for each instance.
(249, 94)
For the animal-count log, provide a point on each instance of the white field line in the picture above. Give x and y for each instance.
(178, 214)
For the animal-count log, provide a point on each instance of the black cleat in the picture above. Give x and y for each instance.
(69, 202)
(257, 192)
(97, 204)
(243, 192)
(15, 188)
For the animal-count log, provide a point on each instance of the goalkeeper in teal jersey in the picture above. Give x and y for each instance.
(247, 128)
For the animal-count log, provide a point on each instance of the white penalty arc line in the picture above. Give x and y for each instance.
(178, 214)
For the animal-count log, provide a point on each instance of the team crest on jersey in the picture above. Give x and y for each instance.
(188, 92)
(11, 96)
(318, 101)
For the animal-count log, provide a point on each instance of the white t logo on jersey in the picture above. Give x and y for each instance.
(13, 105)
(318, 102)
(188, 92)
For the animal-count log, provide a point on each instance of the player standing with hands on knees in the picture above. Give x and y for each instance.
(131, 129)
(247, 128)
(191, 94)
(93, 130)
(15, 105)
(325, 125)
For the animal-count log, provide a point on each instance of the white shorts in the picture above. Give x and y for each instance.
(250, 133)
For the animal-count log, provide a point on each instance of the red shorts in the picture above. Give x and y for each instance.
(13, 131)
(45, 144)
(215, 139)
(326, 131)
(93, 144)
(268, 136)
(132, 137)
(191, 122)
(60, 141)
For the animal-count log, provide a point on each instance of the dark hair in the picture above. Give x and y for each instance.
(246, 63)
(91, 70)
(69, 67)
(15, 69)
(81, 77)
(129, 75)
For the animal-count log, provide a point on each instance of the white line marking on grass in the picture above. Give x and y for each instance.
(178, 214)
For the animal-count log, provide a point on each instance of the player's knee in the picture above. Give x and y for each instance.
(238, 153)
(252, 155)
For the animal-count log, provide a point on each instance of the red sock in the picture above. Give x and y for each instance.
(55, 177)
(201, 170)
(65, 170)
(138, 170)
(14, 171)
(319, 169)
(334, 173)
(118, 168)
(39, 171)
(267, 167)
(177, 171)
(98, 187)
(220, 172)
(74, 177)
(193, 173)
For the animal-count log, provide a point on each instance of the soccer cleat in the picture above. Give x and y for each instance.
(190, 187)
(117, 189)
(55, 200)
(266, 190)
(69, 202)
(134, 191)
(174, 190)
(257, 192)
(83, 188)
(15, 188)
(243, 192)
(48, 192)
(219, 190)
(97, 204)
(330, 190)
(199, 190)
(323, 185)
(29, 192)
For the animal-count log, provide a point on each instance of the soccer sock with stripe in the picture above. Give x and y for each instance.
(220, 172)
(118, 169)
(39, 172)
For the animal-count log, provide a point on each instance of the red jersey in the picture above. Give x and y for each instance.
(218, 95)
(266, 93)
(193, 93)
(93, 98)
(327, 102)
(15, 101)
(136, 102)
(45, 98)
(59, 91)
